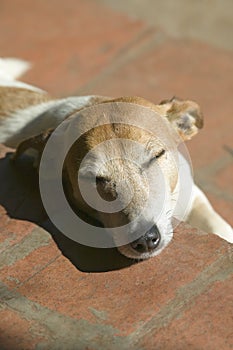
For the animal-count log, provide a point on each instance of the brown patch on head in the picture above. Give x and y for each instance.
(109, 131)
(160, 109)
(116, 131)
(13, 99)
(117, 169)
(96, 136)
(120, 130)
(185, 116)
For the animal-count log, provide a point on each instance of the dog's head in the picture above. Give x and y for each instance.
(128, 168)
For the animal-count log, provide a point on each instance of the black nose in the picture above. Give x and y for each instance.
(148, 242)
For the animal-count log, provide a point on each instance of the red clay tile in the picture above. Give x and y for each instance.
(68, 42)
(13, 232)
(17, 333)
(23, 269)
(207, 324)
(69, 48)
(15, 203)
(224, 178)
(129, 297)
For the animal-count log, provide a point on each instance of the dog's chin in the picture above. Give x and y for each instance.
(129, 252)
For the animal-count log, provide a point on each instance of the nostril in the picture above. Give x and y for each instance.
(140, 247)
(153, 243)
(153, 238)
(148, 242)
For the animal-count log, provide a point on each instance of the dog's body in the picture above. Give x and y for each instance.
(28, 117)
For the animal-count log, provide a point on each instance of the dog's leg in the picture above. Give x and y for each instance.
(203, 216)
(33, 146)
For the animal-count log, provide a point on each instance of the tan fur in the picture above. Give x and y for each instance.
(118, 168)
(109, 131)
(173, 110)
(94, 100)
(103, 133)
(181, 107)
(13, 99)
(185, 116)
(160, 109)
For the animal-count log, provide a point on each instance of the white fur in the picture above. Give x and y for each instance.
(13, 68)
(36, 119)
(203, 215)
(18, 84)
(188, 197)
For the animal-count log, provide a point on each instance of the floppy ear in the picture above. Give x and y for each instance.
(33, 146)
(185, 117)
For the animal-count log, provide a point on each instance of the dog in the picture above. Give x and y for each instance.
(118, 170)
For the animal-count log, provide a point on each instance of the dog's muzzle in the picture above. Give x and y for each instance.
(148, 242)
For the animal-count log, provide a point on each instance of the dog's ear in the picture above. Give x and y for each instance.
(36, 144)
(185, 117)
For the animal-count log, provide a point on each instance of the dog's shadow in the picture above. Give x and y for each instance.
(20, 196)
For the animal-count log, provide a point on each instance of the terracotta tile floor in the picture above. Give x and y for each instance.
(56, 294)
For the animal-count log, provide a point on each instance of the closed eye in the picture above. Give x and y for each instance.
(92, 178)
(102, 180)
(154, 158)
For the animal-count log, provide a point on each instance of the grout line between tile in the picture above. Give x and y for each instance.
(185, 297)
(145, 41)
(37, 272)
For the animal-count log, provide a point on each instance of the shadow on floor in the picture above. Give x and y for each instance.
(20, 196)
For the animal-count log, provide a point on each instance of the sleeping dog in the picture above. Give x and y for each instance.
(118, 160)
